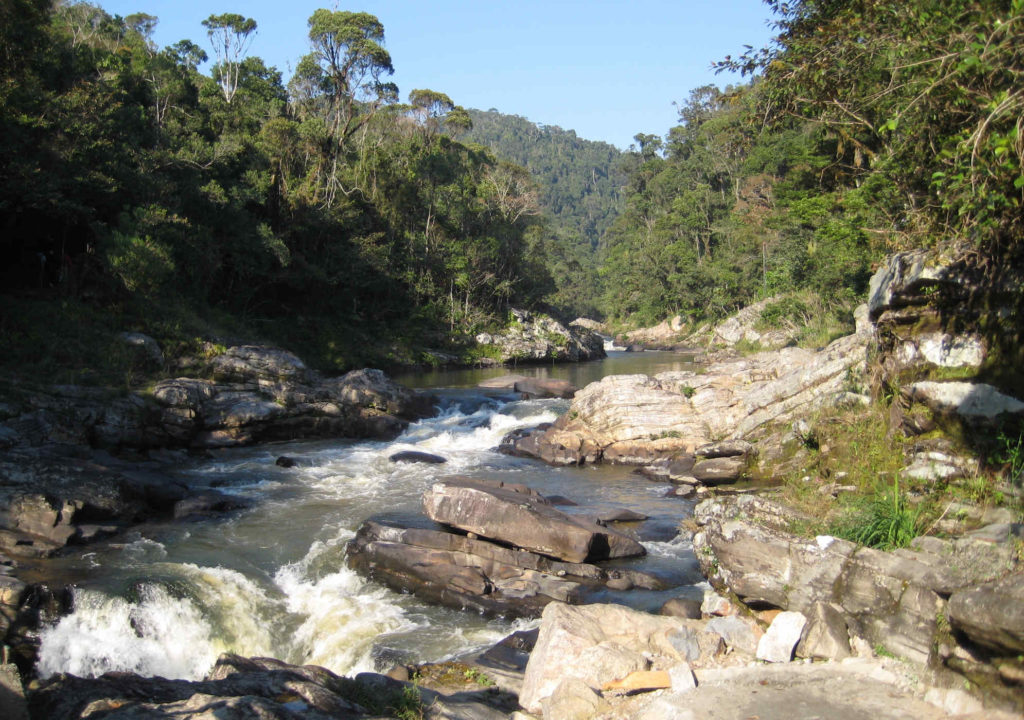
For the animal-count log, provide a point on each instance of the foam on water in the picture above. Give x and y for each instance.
(158, 635)
(340, 615)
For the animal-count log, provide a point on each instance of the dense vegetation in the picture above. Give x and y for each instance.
(579, 181)
(139, 193)
(326, 215)
(870, 126)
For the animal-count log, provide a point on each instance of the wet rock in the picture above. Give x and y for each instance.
(523, 520)
(236, 688)
(414, 456)
(474, 574)
(206, 504)
(719, 470)
(12, 697)
(545, 388)
(285, 462)
(504, 382)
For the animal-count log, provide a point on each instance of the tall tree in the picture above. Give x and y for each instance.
(230, 35)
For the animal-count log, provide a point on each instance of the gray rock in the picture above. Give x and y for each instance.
(413, 456)
(992, 614)
(739, 634)
(255, 363)
(147, 346)
(545, 388)
(826, 636)
(725, 449)
(523, 520)
(720, 470)
(683, 607)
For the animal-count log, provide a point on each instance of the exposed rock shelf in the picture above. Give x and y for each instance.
(516, 552)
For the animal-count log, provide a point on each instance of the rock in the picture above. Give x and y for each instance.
(992, 614)
(474, 574)
(413, 456)
(782, 636)
(256, 363)
(974, 402)
(719, 470)
(545, 388)
(147, 347)
(12, 697)
(683, 607)
(682, 678)
(523, 520)
(573, 699)
(237, 687)
(505, 382)
(826, 636)
(207, 503)
(725, 449)
(595, 644)
(714, 604)
(639, 419)
(892, 600)
(739, 634)
(285, 462)
(536, 338)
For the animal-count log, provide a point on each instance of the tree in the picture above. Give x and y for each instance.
(230, 35)
(430, 107)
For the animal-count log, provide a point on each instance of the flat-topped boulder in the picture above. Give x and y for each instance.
(474, 574)
(523, 519)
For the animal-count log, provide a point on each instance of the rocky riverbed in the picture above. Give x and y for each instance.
(789, 626)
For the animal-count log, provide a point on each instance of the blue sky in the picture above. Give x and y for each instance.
(606, 69)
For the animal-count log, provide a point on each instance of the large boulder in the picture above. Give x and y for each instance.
(470, 573)
(992, 614)
(638, 419)
(515, 516)
(894, 600)
(596, 644)
(537, 338)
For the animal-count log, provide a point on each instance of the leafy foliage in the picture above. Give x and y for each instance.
(315, 214)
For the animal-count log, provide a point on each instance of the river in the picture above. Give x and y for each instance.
(167, 598)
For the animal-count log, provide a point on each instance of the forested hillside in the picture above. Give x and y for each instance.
(139, 193)
(580, 184)
(868, 127)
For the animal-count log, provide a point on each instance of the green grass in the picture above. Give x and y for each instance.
(885, 521)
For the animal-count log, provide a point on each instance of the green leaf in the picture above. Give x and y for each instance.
(1019, 182)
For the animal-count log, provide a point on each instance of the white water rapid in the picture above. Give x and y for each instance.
(271, 579)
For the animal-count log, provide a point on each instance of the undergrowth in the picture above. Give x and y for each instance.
(884, 520)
